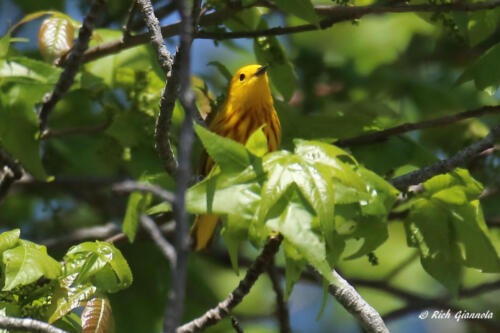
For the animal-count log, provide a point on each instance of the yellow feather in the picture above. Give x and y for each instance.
(248, 106)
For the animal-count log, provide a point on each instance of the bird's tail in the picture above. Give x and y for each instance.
(203, 230)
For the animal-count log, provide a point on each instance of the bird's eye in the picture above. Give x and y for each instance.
(242, 77)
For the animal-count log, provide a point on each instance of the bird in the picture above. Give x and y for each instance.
(248, 106)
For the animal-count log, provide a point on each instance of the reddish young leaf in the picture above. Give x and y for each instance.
(55, 38)
(97, 316)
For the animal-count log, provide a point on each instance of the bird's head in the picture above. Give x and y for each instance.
(250, 85)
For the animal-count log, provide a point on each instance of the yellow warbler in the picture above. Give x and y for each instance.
(248, 106)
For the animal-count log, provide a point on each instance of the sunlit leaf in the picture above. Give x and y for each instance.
(99, 263)
(446, 224)
(67, 297)
(8, 239)
(26, 263)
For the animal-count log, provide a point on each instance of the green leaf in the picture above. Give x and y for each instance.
(294, 266)
(428, 229)
(8, 239)
(234, 193)
(19, 124)
(137, 204)
(373, 230)
(459, 177)
(27, 70)
(230, 155)
(476, 247)
(222, 69)
(17, 136)
(245, 20)
(234, 233)
(294, 222)
(257, 142)
(138, 58)
(485, 71)
(18, 121)
(4, 46)
(295, 194)
(26, 263)
(481, 25)
(446, 223)
(453, 195)
(300, 8)
(99, 263)
(70, 323)
(269, 51)
(162, 207)
(67, 297)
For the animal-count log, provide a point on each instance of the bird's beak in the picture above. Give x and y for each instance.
(261, 71)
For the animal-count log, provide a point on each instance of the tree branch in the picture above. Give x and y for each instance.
(352, 301)
(27, 324)
(160, 12)
(155, 36)
(79, 235)
(282, 308)
(381, 135)
(170, 30)
(236, 325)
(128, 22)
(166, 248)
(335, 14)
(131, 186)
(423, 8)
(176, 295)
(223, 309)
(169, 95)
(51, 133)
(11, 172)
(420, 302)
(459, 159)
(71, 65)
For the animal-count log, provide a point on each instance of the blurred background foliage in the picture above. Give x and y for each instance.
(368, 74)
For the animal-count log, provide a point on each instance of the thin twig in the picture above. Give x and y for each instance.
(51, 133)
(71, 65)
(155, 36)
(79, 235)
(447, 120)
(12, 171)
(401, 266)
(236, 325)
(160, 13)
(352, 301)
(479, 289)
(131, 186)
(166, 248)
(282, 308)
(27, 324)
(167, 31)
(223, 309)
(128, 22)
(459, 159)
(169, 95)
(335, 14)
(167, 229)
